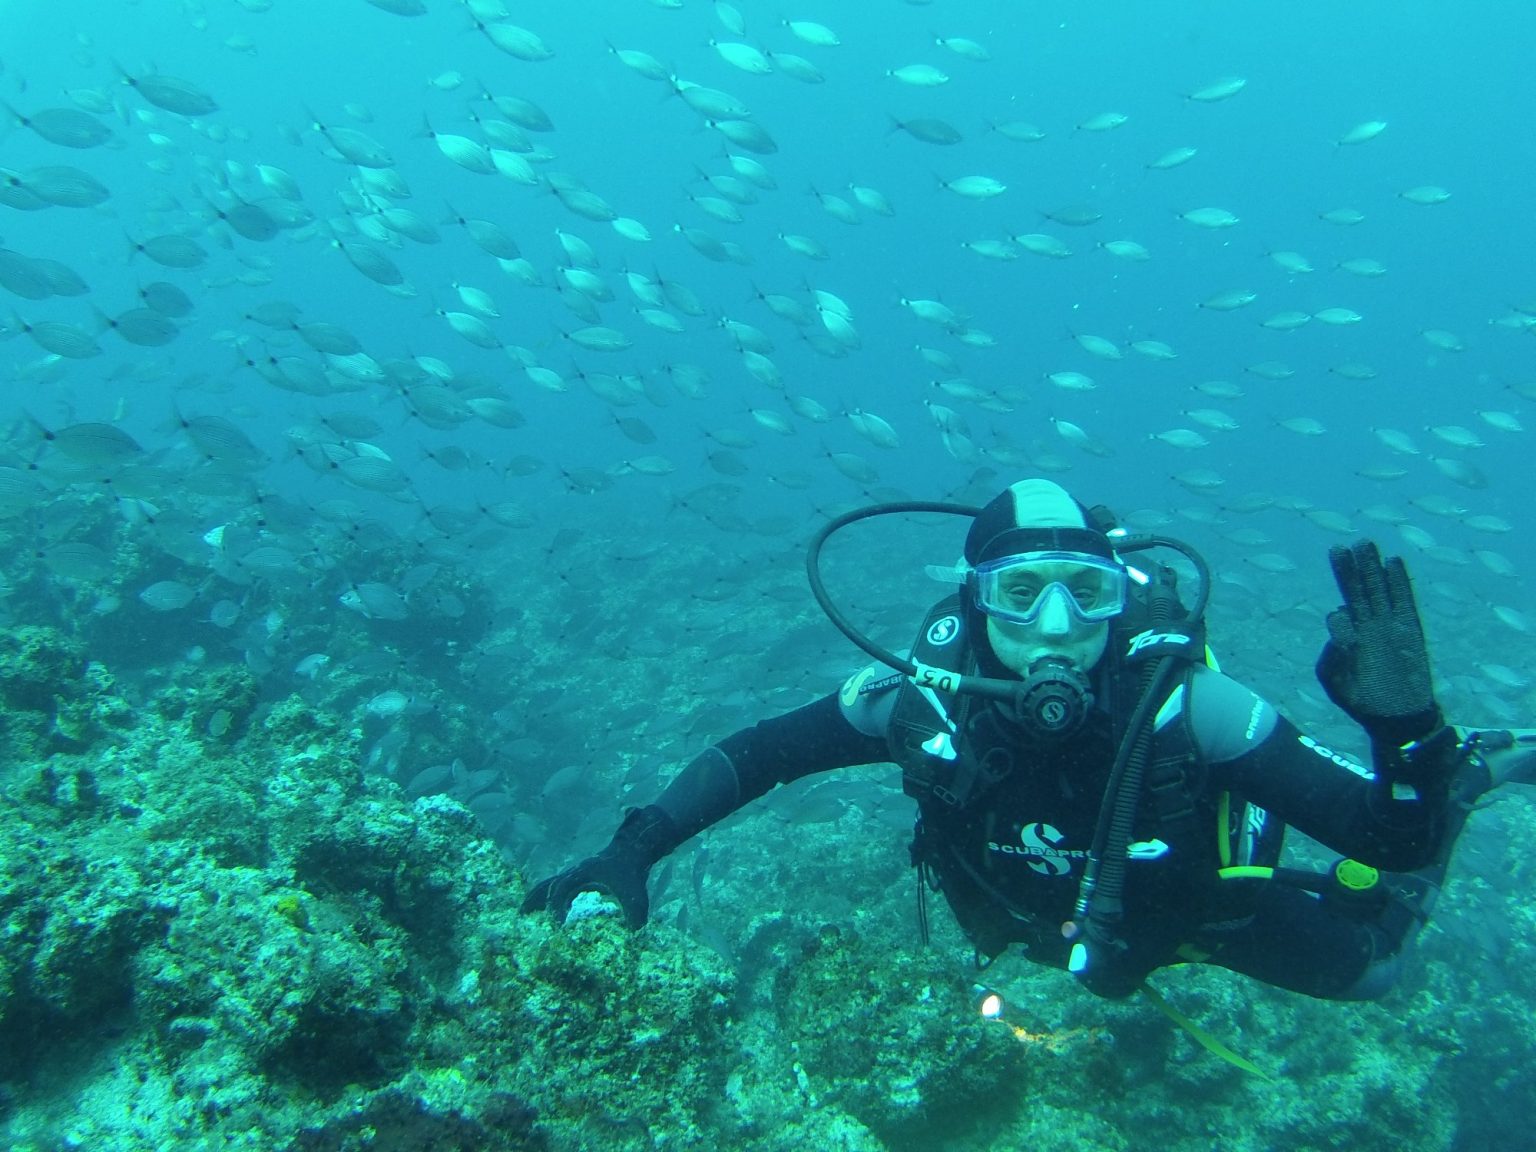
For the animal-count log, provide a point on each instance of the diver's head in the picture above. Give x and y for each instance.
(1045, 583)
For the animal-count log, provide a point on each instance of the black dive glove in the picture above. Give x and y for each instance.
(619, 871)
(1375, 665)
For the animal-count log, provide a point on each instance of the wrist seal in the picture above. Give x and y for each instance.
(1427, 762)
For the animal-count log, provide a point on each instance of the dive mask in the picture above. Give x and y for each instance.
(1017, 588)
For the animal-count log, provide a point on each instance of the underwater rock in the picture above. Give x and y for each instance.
(393, 1120)
(905, 1054)
(44, 692)
(37, 665)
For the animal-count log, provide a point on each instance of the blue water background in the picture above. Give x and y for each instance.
(1449, 81)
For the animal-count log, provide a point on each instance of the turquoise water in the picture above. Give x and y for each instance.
(535, 575)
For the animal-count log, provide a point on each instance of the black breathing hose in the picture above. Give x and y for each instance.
(1100, 899)
(818, 589)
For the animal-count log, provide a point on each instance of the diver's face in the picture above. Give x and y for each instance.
(1056, 631)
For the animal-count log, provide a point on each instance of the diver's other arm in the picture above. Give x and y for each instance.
(619, 871)
(715, 783)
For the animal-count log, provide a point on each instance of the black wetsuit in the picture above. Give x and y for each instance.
(1009, 859)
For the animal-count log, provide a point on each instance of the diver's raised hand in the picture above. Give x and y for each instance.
(1375, 665)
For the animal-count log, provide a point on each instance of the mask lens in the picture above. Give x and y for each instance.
(1017, 588)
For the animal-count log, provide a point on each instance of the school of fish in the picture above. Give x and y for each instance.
(521, 339)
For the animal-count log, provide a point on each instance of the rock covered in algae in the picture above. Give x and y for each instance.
(52, 698)
(252, 943)
(879, 1036)
(346, 970)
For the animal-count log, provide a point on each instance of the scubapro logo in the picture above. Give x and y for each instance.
(943, 630)
(1039, 844)
(1341, 761)
(1053, 714)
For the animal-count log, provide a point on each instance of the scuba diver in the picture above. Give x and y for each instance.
(1092, 789)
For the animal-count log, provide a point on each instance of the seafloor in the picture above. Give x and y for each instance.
(249, 941)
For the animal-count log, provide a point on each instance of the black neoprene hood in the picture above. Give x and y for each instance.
(996, 533)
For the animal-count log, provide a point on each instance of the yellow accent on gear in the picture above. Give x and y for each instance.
(850, 693)
(1246, 872)
(1223, 829)
(1355, 876)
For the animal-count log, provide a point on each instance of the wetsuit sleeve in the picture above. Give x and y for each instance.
(749, 763)
(1251, 749)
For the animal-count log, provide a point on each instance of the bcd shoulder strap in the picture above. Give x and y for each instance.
(924, 723)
